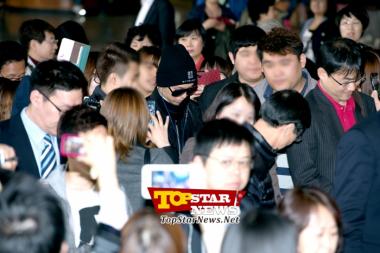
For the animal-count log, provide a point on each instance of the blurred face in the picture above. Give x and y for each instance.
(283, 72)
(228, 166)
(47, 111)
(193, 44)
(239, 111)
(247, 64)
(351, 28)
(14, 70)
(183, 91)
(339, 85)
(318, 7)
(129, 75)
(321, 234)
(137, 43)
(146, 81)
(46, 49)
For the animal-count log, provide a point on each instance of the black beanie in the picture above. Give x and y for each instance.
(176, 67)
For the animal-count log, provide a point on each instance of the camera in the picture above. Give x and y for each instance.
(92, 103)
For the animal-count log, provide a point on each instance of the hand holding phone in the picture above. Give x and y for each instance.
(375, 82)
(211, 76)
(158, 130)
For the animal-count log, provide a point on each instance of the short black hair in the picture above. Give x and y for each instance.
(52, 75)
(257, 7)
(245, 36)
(280, 41)
(216, 133)
(33, 29)
(342, 55)
(31, 217)
(356, 10)
(71, 30)
(148, 30)
(228, 94)
(11, 51)
(80, 118)
(286, 107)
(188, 26)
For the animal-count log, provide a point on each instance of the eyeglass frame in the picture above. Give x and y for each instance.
(51, 102)
(360, 81)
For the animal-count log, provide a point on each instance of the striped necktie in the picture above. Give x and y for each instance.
(47, 160)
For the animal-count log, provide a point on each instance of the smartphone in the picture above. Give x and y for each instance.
(206, 78)
(375, 82)
(183, 176)
(71, 145)
(151, 109)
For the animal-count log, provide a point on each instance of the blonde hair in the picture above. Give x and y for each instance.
(127, 114)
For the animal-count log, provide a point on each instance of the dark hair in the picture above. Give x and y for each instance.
(261, 230)
(80, 118)
(285, 107)
(299, 203)
(280, 41)
(227, 95)
(145, 233)
(150, 31)
(216, 62)
(257, 7)
(52, 75)
(34, 29)
(245, 36)
(356, 10)
(11, 51)
(152, 52)
(341, 55)
(216, 133)
(31, 218)
(115, 58)
(188, 26)
(7, 92)
(71, 30)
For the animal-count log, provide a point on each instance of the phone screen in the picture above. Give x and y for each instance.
(183, 176)
(171, 179)
(71, 145)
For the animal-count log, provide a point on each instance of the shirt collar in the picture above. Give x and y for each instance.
(350, 105)
(37, 134)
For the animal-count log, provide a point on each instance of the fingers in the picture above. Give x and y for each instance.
(9, 157)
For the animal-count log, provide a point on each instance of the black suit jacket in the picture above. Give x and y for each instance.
(312, 161)
(13, 133)
(161, 14)
(357, 186)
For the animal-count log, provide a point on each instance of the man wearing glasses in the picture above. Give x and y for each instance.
(55, 88)
(335, 106)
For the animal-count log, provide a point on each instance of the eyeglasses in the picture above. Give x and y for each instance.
(188, 91)
(227, 163)
(357, 82)
(51, 102)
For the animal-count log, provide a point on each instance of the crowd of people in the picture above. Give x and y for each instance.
(287, 115)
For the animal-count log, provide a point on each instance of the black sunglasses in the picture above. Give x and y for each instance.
(189, 91)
